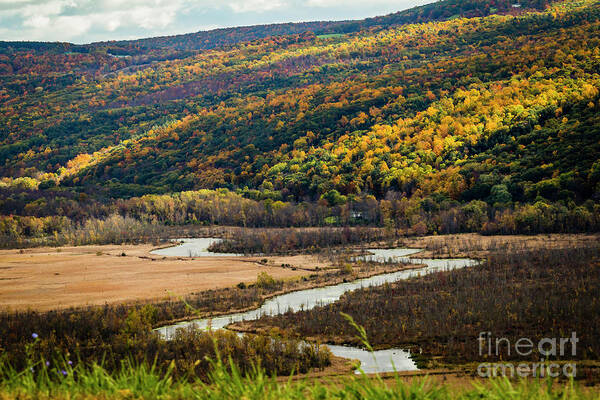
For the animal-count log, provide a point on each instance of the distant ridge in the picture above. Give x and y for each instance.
(203, 40)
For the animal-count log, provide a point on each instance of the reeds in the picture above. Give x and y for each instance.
(290, 240)
(110, 333)
(531, 293)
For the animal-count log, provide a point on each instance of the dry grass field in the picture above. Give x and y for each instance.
(51, 278)
(478, 246)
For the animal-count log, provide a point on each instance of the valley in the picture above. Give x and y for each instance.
(399, 206)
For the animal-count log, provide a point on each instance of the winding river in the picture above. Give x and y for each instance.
(379, 361)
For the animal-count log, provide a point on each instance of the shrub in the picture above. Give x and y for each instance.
(265, 281)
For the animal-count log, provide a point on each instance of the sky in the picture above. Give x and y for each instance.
(85, 21)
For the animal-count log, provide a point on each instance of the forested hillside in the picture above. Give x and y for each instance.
(486, 104)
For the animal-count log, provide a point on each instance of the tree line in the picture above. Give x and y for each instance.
(147, 218)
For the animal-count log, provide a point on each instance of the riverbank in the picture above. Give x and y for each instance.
(50, 278)
(534, 293)
(304, 300)
(45, 279)
(474, 245)
(321, 279)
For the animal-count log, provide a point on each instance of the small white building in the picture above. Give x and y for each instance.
(356, 214)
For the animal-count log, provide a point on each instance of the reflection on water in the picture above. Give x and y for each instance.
(192, 248)
(379, 361)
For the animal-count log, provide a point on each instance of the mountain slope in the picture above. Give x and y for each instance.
(202, 40)
(104, 57)
(491, 109)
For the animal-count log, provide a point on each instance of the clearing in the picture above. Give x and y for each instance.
(51, 278)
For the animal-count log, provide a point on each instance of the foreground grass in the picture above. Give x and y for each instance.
(227, 382)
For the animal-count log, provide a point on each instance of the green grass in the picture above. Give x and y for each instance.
(331, 35)
(227, 382)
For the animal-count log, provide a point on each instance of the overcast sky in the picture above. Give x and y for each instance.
(84, 21)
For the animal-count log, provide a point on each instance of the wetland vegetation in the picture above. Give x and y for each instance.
(521, 293)
(300, 146)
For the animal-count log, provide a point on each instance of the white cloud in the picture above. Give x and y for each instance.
(243, 6)
(69, 19)
(85, 20)
(151, 17)
(54, 7)
(37, 21)
(400, 4)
